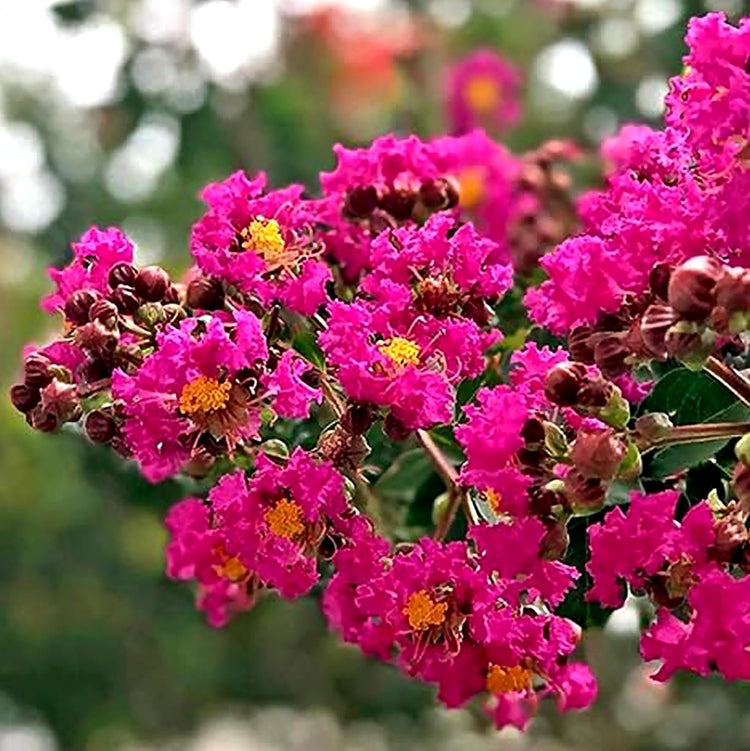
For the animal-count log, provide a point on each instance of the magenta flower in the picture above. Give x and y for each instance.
(261, 532)
(94, 255)
(262, 242)
(191, 394)
(657, 544)
(716, 636)
(396, 369)
(482, 89)
(293, 396)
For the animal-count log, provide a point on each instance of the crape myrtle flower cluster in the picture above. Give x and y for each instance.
(366, 321)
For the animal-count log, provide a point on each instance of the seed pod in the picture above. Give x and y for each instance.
(77, 306)
(24, 397)
(36, 370)
(105, 312)
(655, 323)
(205, 293)
(563, 382)
(361, 201)
(122, 273)
(100, 426)
(598, 453)
(125, 299)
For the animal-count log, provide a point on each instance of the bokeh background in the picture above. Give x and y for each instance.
(117, 111)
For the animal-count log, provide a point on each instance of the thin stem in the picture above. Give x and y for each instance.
(704, 432)
(331, 396)
(85, 390)
(728, 376)
(445, 469)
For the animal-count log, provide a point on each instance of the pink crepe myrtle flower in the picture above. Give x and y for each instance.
(377, 364)
(262, 242)
(715, 636)
(94, 255)
(512, 551)
(190, 389)
(293, 396)
(482, 89)
(710, 101)
(259, 532)
(656, 544)
(484, 174)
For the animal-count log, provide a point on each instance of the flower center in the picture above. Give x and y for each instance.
(495, 499)
(503, 680)
(482, 93)
(423, 612)
(471, 187)
(264, 237)
(204, 394)
(285, 519)
(231, 567)
(400, 351)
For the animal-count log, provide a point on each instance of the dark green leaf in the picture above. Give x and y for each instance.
(304, 342)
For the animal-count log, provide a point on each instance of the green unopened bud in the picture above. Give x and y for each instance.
(652, 427)
(275, 448)
(631, 465)
(617, 410)
(742, 449)
(440, 507)
(150, 315)
(555, 441)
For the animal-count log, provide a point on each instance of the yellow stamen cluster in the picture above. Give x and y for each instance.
(423, 612)
(482, 93)
(264, 237)
(471, 187)
(503, 680)
(204, 394)
(495, 499)
(400, 351)
(285, 519)
(232, 568)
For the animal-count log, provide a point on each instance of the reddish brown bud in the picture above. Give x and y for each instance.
(532, 431)
(345, 450)
(45, 422)
(399, 204)
(434, 194)
(100, 427)
(596, 393)
(579, 345)
(78, 304)
(122, 273)
(692, 287)
(563, 382)
(361, 201)
(61, 400)
(598, 453)
(151, 283)
(205, 293)
(358, 418)
(731, 535)
(583, 494)
(36, 370)
(659, 280)
(24, 397)
(610, 354)
(733, 290)
(125, 299)
(395, 429)
(95, 339)
(171, 296)
(554, 543)
(655, 323)
(105, 312)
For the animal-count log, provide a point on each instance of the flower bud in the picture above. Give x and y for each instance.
(555, 541)
(733, 290)
(100, 427)
(692, 287)
(96, 339)
(579, 345)
(358, 418)
(585, 495)
(125, 299)
(61, 400)
(152, 283)
(105, 312)
(616, 412)
(78, 304)
(597, 453)
(275, 448)
(595, 393)
(652, 427)
(205, 293)
(555, 441)
(361, 201)
(150, 315)
(36, 370)
(655, 323)
(563, 382)
(24, 397)
(122, 273)
(395, 429)
(533, 432)
(731, 535)
(440, 506)
(434, 194)
(742, 449)
(45, 422)
(610, 354)
(398, 203)
(690, 343)
(658, 280)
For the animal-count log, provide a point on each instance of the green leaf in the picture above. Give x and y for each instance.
(304, 342)
(404, 477)
(691, 398)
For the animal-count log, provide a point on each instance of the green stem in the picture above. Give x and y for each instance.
(448, 472)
